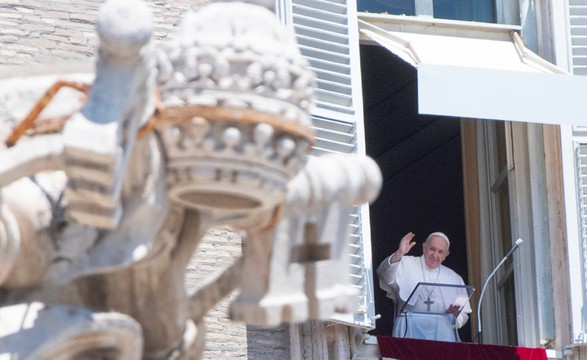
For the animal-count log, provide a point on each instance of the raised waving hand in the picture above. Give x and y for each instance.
(405, 245)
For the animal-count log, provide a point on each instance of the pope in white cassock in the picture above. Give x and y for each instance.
(442, 310)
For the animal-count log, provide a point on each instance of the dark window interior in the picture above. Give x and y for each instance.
(467, 10)
(394, 7)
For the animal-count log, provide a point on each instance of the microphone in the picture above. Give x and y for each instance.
(514, 248)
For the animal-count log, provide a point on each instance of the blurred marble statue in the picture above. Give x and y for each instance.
(102, 209)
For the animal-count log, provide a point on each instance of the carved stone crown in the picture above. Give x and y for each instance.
(237, 93)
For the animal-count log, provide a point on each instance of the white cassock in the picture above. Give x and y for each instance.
(399, 280)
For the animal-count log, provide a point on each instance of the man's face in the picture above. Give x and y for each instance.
(435, 251)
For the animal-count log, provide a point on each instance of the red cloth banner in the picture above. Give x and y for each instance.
(415, 349)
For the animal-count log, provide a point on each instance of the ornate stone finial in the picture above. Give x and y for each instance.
(238, 93)
(232, 145)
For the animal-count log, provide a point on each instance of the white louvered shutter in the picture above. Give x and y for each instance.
(327, 35)
(578, 33)
(578, 30)
(581, 166)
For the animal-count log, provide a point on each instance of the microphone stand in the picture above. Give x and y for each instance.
(479, 332)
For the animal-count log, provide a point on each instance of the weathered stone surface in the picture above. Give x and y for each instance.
(104, 203)
(65, 332)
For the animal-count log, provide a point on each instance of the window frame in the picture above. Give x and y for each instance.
(506, 12)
